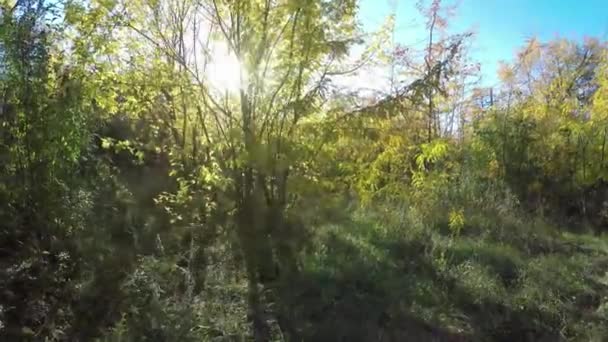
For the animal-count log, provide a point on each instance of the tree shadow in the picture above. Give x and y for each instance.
(357, 297)
(352, 295)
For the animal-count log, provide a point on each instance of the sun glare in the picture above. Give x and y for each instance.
(223, 72)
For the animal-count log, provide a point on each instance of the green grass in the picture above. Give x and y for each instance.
(363, 280)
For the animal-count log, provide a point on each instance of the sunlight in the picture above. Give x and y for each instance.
(223, 72)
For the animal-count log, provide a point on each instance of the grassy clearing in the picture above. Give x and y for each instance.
(364, 281)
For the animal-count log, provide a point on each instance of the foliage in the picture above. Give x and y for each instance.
(141, 200)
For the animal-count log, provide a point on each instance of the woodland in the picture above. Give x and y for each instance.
(220, 170)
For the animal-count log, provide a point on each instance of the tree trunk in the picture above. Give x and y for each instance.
(250, 237)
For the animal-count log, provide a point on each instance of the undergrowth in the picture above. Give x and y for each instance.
(363, 281)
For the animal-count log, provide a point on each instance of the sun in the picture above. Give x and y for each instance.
(224, 70)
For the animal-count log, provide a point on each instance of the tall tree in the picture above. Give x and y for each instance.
(44, 129)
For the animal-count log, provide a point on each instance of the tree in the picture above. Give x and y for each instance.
(43, 132)
(287, 51)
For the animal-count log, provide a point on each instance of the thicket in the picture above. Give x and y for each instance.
(141, 201)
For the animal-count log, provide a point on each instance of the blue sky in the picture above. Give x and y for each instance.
(500, 26)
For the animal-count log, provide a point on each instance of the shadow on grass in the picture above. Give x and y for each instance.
(373, 288)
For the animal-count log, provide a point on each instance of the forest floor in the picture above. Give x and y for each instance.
(519, 281)
(365, 278)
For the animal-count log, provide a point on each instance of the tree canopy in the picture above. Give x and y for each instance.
(193, 170)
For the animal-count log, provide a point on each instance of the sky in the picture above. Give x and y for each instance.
(500, 26)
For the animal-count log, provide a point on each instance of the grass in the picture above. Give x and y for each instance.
(362, 280)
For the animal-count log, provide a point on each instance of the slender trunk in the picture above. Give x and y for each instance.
(429, 69)
(603, 150)
(254, 243)
(584, 162)
(284, 237)
(248, 238)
